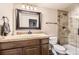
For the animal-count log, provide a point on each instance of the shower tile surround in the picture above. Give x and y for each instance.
(62, 27)
(73, 37)
(73, 25)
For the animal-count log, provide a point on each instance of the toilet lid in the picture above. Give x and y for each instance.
(58, 47)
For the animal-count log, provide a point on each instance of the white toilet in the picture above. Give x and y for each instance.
(56, 48)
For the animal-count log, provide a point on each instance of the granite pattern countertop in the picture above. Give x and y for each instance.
(11, 38)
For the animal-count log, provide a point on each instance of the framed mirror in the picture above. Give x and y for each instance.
(27, 20)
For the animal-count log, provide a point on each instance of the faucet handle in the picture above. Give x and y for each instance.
(29, 32)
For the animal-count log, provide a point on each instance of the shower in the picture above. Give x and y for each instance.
(68, 28)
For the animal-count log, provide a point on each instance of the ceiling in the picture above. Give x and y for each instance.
(53, 5)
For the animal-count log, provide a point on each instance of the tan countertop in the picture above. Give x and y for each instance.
(11, 38)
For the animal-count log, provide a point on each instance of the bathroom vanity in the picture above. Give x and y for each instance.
(25, 44)
(31, 44)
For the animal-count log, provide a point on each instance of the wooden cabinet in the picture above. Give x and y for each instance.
(17, 51)
(44, 49)
(25, 47)
(32, 50)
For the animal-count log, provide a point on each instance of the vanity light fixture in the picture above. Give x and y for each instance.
(28, 7)
(23, 6)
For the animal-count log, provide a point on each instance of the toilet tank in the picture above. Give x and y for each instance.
(53, 40)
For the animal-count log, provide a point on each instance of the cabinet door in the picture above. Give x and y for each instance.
(45, 49)
(31, 50)
(17, 51)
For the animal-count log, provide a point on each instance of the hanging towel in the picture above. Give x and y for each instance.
(5, 28)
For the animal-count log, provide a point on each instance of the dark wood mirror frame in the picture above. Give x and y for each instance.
(17, 20)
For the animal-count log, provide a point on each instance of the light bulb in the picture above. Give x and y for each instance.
(35, 8)
(23, 6)
(31, 8)
(27, 7)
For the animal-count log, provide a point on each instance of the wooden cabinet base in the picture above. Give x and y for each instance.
(32, 51)
(17, 51)
(44, 49)
(27, 47)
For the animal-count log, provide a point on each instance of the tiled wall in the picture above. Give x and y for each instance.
(62, 27)
(73, 38)
(73, 31)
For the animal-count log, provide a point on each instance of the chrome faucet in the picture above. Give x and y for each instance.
(29, 32)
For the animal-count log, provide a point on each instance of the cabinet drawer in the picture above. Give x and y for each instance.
(17, 51)
(9, 45)
(44, 41)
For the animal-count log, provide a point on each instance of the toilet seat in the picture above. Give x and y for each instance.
(59, 49)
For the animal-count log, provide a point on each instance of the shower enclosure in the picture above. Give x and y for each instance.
(62, 27)
(68, 34)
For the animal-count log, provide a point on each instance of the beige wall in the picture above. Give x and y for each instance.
(48, 15)
(6, 10)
